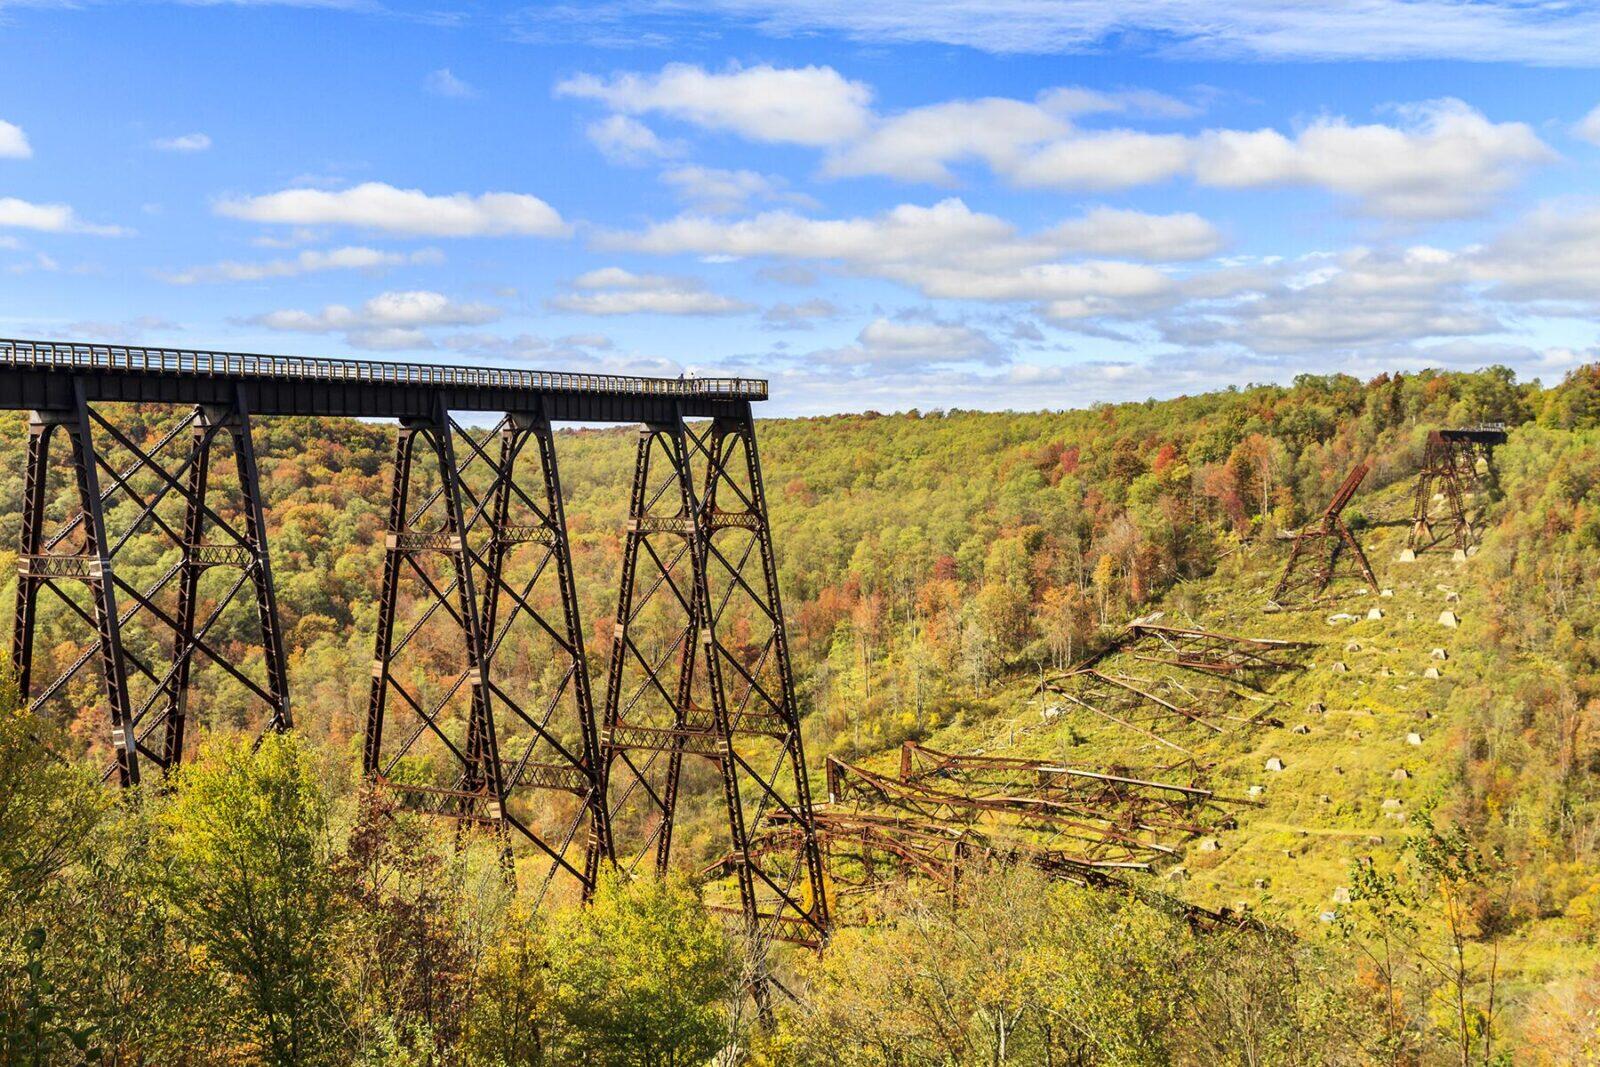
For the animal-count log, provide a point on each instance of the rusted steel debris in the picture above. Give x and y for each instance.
(1164, 710)
(946, 813)
(1450, 459)
(1319, 548)
(1213, 653)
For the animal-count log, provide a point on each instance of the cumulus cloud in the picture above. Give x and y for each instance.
(910, 343)
(378, 206)
(548, 352)
(1439, 159)
(1442, 158)
(185, 143)
(919, 145)
(1588, 127)
(391, 320)
(795, 105)
(13, 142)
(719, 191)
(1550, 256)
(1108, 231)
(799, 316)
(1445, 159)
(443, 82)
(50, 218)
(630, 142)
(311, 261)
(1359, 298)
(614, 291)
(949, 251)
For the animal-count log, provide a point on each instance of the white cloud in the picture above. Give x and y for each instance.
(1105, 231)
(378, 206)
(614, 291)
(1441, 159)
(392, 320)
(909, 344)
(578, 349)
(907, 233)
(13, 142)
(1588, 127)
(1476, 30)
(785, 316)
(629, 141)
(719, 191)
(918, 145)
(1550, 255)
(1105, 159)
(889, 340)
(1077, 100)
(50, 218)
(442, 82)
(1360, 298)
(948, 251)
(800, 105)
(1445, 159)
(188, 142)
(312, 261)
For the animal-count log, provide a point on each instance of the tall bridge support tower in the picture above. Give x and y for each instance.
(700, 667)
(486, 555)
(1450, 466)
(147, 649)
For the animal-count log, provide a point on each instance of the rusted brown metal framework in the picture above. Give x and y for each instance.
(1450, 467)
(1319, 548)
(1226, 655)
(946, 813)
(1173, 714)
(493, 739)
(84, 547)
(496, 723)
(700, 667)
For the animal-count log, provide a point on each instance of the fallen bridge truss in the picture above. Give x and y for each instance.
(1321, 548)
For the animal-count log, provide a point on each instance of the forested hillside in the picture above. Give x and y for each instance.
(934, 567)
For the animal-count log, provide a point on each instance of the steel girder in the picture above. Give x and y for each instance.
(946, 813)
(104, 540)
(1318, 548)
(488, 565)
(700, 667)
(1227, 655)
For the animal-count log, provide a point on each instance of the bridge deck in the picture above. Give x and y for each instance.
(42, 374)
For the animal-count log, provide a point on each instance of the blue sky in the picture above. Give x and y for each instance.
(1016, 205)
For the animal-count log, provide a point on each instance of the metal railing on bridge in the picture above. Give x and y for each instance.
(134, 358)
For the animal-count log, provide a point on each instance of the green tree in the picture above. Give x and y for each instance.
(642, 976)
(48, 813)
(250, 884)
(513, 1020)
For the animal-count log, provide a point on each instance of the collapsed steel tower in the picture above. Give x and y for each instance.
(1320, 546)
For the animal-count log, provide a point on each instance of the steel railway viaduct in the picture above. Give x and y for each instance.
(145, 543)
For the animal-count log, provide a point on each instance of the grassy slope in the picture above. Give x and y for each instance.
(1295, 841)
